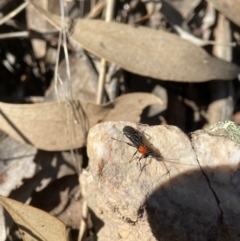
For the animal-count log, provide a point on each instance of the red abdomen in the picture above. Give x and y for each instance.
(142, 149)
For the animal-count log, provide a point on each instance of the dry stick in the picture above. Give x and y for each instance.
(56, 65)
(101, 79)
(83, 224)
(14, 35)
(70, 95)
(200, 42)
(109, 15)
(96, 9)
(64, 34)
(69, 78)
(13, 13)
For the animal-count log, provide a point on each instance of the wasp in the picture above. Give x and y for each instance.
(136, 137)
(138, 141)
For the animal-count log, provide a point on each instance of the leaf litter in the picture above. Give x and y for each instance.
(201, 191)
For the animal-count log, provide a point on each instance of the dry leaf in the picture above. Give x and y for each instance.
(34, 224)
(64, 125)
(83, 80)
(19, 162)
(147, 52)
(229, 8)
(182, 195)
(40, 25)
(16, 164)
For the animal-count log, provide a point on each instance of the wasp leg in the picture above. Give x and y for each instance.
(168, 171)
(133, 156)
(141, 168)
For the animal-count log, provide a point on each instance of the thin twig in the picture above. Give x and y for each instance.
(14, 35)
(13, 13)
(69, 81)
(57, 64)
(200, 42)
(83, 223)
(96, 9)
(64, 34)
(101, 79)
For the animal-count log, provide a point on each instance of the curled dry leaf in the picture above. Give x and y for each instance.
(229, 8)
(64, 125)
(34, 224)
(147, 52)
(167, 199)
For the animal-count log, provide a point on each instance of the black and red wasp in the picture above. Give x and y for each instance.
(138, 141)
(136, 137)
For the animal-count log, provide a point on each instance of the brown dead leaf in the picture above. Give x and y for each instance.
(81, 69)
(64, 125)
(16, 164)
(229, 8)
(19, 162)
(40, 25)
(34, 224)
(147, 52)
(67, 208)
